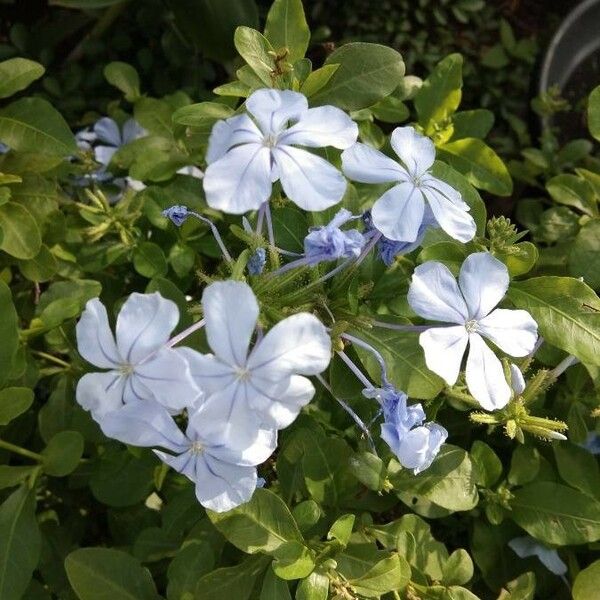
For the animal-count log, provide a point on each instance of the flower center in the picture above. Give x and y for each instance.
(270, 141)
(197, 448)
(242, 373)
(472, 326)
(126, 369)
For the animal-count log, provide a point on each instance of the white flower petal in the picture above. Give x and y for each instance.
(104, 154)
(146, 424)
(299, 344)
(453, 219)
(100, 393)
(483, 281)
(221, 486)
(280, 405)
(95, 340)
(182, 463)
(429, 181)
(307, 179)
(229, 133)
(513, 331)
(517, 381)
(264, 444)
(433, 294)
(485, 376)
(132, 130)
(166, 376)
(367, 165)
(444, 349)
(272, 109)
(398, 214)
(231, 312)
(144, 324)
(107, 131)
(210, 373)
(240, 180)
(416, 151)
(322, 126)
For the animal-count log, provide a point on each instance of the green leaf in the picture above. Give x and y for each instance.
(341, 530)
(100, 573)
(261, 525)
(274, 588)
(389, 574)
(369, 470)
(231, 582)
(449, 482)
(567, 312)
(9, 331)
(293, 560)
(14, 401)
(584, 253)
(479, 164)
(314, 587)
(366, 74)
(34, 125)
(472, 123)
(17, 73)
(41, 267)
(572, 191)
(488, 465)
(440, 94)
(593, 113)
(578, 468)
(20, 543)
(556, 514)
(11, 476)
(254, 48)
(22, 238)
(286, 27)
(198, 114)
(155, 116)
(405, 360)
(587, 582)
(390, 110)
(125, 78)
(317, 79)
(194, 560)
(458, 569)
(521, 588)
(62, 454)
(149, 260)
(524, 465)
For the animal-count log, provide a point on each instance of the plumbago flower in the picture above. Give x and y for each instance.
(140, 364)
(224, 474)
(415, 444)
(265, 384)
(527, 546)
(400, 212)
(329, 242)
(482, 283)
(247, 153)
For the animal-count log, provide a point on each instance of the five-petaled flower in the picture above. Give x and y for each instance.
(470, 304)
(247, 154)
(141, 365)
(414, 442)
(264, 384)
(399, 213)
(224, 474)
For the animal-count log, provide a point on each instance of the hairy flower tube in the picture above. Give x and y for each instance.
(470, 305)
(400, 212)
(247, 153)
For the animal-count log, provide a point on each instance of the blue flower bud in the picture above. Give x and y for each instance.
(177, 213)
(256, 263)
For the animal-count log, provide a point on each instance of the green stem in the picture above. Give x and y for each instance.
(51, 358)
(22, 451)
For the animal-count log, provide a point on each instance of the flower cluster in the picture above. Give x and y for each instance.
(235, 398)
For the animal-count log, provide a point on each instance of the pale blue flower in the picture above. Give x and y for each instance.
(140, 365)
(592, 443)
(265, 382)
(470, 306)
(256, 263)
(4, 148)
(112, 137)
(329, 242)
(224, 474)
(527, 546)
(247, 153)
(399, 213)
(177, 213)
(415, 444)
